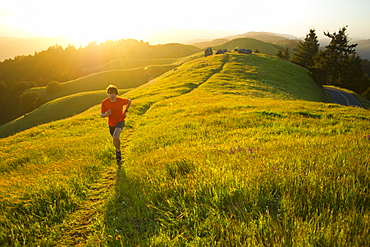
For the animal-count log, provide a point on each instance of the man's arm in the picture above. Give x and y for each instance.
(128, 105)
(105, 114)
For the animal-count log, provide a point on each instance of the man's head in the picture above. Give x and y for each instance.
(111, 89)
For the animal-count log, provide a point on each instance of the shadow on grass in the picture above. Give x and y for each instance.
(129, 219)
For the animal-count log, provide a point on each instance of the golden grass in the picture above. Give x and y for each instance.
(209, 159)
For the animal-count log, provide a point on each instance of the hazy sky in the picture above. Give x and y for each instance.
(115, 19)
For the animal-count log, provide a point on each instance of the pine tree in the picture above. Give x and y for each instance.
(279, 54)
(283, 54)
(340, 65)
(307, 50)
(286, 54)
(355, 77)
(335, 59)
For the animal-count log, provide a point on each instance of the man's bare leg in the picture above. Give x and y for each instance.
(117, 143)
(116, 140)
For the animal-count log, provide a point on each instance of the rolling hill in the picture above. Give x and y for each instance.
(11, 47)
(80, 94)
(131, 78)
(123, 78)
(273, 38)
(226, 149)
(63, 107)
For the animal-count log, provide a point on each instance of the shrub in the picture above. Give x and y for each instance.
(53, 87)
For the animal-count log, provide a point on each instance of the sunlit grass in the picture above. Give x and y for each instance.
(247, 172)
(220, 152)
(122, 78)
(207, 168)
(46, 173)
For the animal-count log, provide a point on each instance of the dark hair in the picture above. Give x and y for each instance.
(112, 89)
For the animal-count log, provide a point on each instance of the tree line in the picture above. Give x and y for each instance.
(338, 64)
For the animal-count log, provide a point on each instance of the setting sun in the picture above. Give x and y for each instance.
(85, 21)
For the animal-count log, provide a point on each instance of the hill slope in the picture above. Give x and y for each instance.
(60, 108)
(262, 76)
(123, 78)
(211, 160)
(222, 150)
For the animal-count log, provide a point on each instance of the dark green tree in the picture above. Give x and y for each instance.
(283, 53)
(307, 50)
(27, 101)
(355, 77)
(335, 59)
(279, 53)
(53, 87)
(286, 54)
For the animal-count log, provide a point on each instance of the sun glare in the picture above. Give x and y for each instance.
(81, 20)
(101, 20)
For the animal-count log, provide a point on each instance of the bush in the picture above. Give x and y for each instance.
(53, 87)
(30, 101)
(27, 100)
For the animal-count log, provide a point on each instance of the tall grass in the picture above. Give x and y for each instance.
(220, 153)
(244, 172)
(209, 168)
(45, 173)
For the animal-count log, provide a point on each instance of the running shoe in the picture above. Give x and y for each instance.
(118, 156)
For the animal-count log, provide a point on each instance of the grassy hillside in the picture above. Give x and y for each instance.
(72, 91)
(226, 150)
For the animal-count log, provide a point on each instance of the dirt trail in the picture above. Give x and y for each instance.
(79, 229)
(79, 226)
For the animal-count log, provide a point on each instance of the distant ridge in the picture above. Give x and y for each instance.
(249, 43)
(11, 47)
(268, 37)
(264, 36)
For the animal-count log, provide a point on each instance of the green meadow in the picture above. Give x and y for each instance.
(226, 150)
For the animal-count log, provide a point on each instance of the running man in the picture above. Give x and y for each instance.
(113, 108)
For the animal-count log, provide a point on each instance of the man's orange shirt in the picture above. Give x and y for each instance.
(116, 108)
